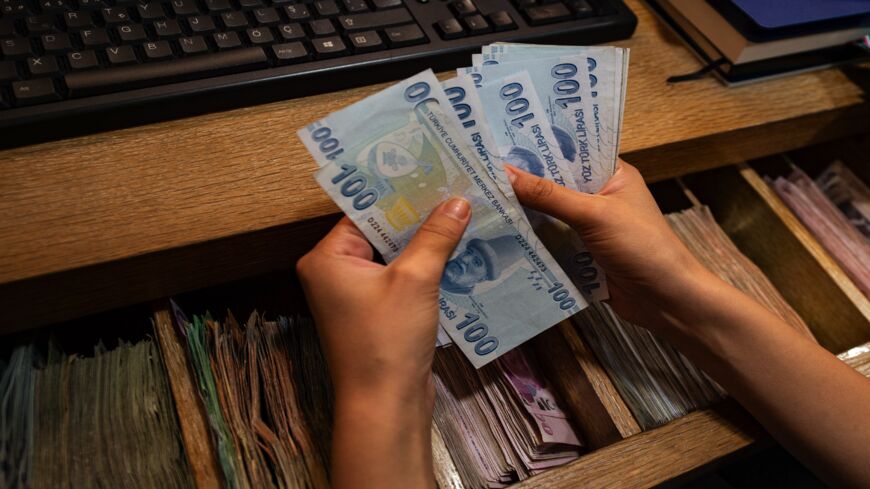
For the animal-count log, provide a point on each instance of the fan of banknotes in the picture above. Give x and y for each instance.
(390, 159)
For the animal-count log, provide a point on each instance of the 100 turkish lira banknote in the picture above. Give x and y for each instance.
(390, 159)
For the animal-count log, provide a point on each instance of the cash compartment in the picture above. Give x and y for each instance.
(212, 279)
(767, 232)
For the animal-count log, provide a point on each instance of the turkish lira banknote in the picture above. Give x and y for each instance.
(388, 161)
(525, 139)
(392, 158)
(608, 70)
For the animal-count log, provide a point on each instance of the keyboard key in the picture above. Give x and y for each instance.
(374, 20)
(13, 8)
(297, 12)
(461, 8)
(8, 71)
(91, 4)
(364, 42)
(326, 8)
(82, 60)
(260, 35)
(201, 24)
(36, 91)
(86, 83)
(449, 28)
(476, 24)
(218, 5)
(327, 47)
(18, 48)
(547, 14)
(290, 52)
(37, 24)
(157, 50)
(227, 40)
(322, 27)
(249, 4)
(266, 16)
(94, 38)
(55, 43)
(382, 4)
(120, 55)
(289, 32)
(405, 35)
(44, 65)
(234, 20)
(78, 20)
(167, 29)
(502, 21)
(150, 11)
(355, 6)
(193, 45)
(133, 33)
(582, 8)
(54, 6)
(184, 7)
(115, 15)
(7, 28)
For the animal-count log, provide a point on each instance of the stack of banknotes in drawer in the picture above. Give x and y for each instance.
(390, 159)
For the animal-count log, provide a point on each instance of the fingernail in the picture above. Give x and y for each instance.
(512, 176)
(458, 208)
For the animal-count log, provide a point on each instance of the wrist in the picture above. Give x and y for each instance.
(687, 299)
(401, 401)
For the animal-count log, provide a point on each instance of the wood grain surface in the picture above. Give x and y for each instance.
(122, 194)
(191, 414)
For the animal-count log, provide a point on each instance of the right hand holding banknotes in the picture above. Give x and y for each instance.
(648, 268)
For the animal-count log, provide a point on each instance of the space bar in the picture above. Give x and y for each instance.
(84, 83)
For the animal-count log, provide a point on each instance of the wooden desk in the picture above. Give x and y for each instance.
(127, 194)
(97, 222)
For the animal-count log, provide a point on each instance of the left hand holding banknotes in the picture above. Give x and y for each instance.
(378, 324)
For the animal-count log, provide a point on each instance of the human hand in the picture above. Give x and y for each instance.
(378, 323)
(647, 266)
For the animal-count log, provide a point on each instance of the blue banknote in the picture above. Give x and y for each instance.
(525, 139)
(388, 161)
(562, 85)
(463, 97)
(523, 136)
(607, 67)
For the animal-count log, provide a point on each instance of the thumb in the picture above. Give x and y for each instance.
(570, 206)
(429, 249)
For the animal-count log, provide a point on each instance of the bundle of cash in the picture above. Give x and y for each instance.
(657, 382)
(501, 423)
(389, 160)
(268, 399)
(257, 399)
(837, 222)
(102, 419)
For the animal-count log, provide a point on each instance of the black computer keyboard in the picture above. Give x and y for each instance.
(74, 66)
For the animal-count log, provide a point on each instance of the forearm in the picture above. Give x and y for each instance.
(815, 405)
(383, 440)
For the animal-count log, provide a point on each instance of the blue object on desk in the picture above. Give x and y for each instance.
(773, 14)
(767, 20)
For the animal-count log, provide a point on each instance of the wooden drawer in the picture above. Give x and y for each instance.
(256, 271)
